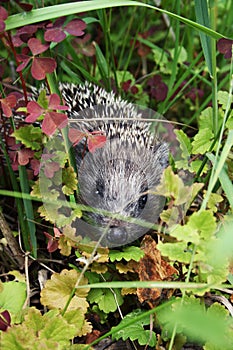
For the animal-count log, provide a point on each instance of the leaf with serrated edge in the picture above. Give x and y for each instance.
(128, 253)
(136, 330)
(58, 289)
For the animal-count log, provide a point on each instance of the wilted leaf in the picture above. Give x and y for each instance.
(152, 268)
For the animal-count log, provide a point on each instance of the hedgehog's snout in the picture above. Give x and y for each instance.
(117, 235)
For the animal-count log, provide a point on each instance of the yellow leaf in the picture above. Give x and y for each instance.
(59, 288)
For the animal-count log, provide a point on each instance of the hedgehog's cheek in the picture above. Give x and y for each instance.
(117, 235)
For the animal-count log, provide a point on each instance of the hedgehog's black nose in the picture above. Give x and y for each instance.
(117, 235)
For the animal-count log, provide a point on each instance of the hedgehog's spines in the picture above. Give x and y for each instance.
(91, 101)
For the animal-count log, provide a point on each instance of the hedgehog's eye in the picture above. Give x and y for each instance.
(100, 188)
(142, 201)
(143, 198)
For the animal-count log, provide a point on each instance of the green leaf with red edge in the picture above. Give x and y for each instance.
(95, 141)
(53, 121)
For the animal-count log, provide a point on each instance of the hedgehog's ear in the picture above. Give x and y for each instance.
(162, 152)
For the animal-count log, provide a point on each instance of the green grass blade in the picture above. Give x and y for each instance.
(50, 12)
(220, 165)
(28, 210)
(19, 203)
(202, 16)
(225, 181)
(102, 64)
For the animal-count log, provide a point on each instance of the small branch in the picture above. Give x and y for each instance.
(11, 241)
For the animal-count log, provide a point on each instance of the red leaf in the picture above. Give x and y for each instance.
(36, 46)
(50, 168)
(54, 34)
(52, 241)
(52, 245)
(5, 320)
(41, 66)
(22, 58)
(75, 136)
(224, 46)
(2, 26)
(53, 121)
(54, 103)
(95, 141)
(7, 104)
(34, 110)
(35, 165)
(57, 233)
(24, 155)
(3, 13)
(25, 7)
(57, 24)
(76, 27)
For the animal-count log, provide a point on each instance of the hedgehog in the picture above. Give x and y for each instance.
(120, 177)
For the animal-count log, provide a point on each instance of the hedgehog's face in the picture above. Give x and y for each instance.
(119, 185)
